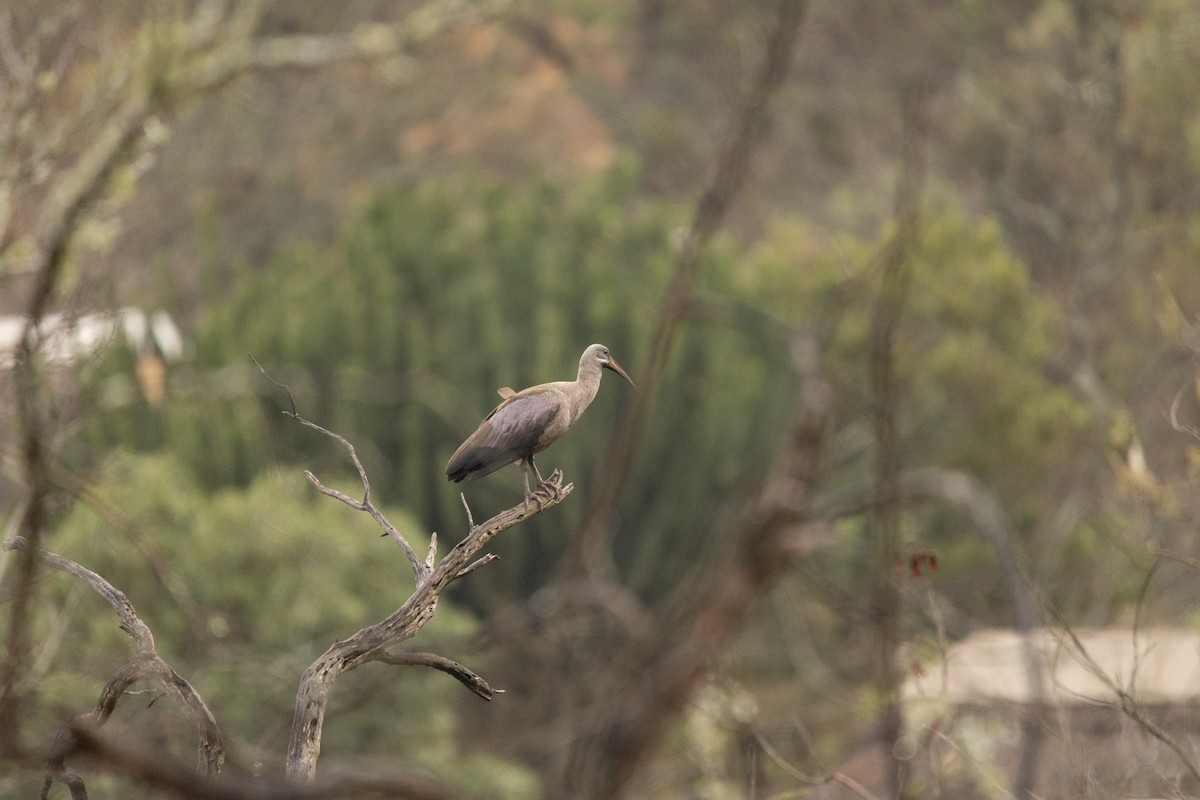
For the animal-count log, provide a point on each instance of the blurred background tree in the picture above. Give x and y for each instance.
(403, 232)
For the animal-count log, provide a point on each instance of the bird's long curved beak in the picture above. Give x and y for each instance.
(615, 367)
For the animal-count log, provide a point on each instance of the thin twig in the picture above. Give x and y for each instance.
(1126, 702)
(1182, 427)
(474, 565)
(470, 519)
(813, 781)
(420, 568)
(1194, 563)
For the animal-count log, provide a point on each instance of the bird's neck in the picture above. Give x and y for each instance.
(587, 384)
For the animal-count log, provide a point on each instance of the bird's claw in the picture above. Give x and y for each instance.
(547, 491)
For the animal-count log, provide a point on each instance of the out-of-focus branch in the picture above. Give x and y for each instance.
(630, 733)
(814, 781)
(207, 52)
(588, 550)
(146, 665)
(887, 605)
(989, 517)
(1125, 700)
(372, 42)
(161, 771)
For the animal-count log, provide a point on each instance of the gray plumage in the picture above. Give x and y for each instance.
(529, 421)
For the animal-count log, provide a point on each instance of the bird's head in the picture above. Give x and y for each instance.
(599, 354)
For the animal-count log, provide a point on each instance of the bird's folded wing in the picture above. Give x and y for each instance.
(519, 422)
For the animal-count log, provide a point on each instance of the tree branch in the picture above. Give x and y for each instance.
(452, 668)
(370, 643)
(146, 665)
(161, 771)
(420, 568)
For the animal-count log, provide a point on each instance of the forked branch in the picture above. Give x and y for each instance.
(146, 665)
(372, 643)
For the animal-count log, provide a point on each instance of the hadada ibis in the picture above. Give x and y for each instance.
(530, 420)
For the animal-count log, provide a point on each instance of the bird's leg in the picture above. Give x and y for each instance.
(535, 471)
(528, 494)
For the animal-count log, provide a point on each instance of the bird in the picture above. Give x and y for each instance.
(529, 421)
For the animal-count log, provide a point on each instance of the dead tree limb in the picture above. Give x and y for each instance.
(452, 668)
(420, 568)
(160, 771)
(887, 601)
(371, 643)
(146, 666)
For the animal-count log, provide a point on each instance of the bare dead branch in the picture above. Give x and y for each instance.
(452, 668)
(420, 568)
(371, 643)
(161, 771)
(474, 565)
(143, 639)
(146, 665)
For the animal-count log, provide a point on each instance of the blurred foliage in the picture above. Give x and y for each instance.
(395, 262)
(398, 332)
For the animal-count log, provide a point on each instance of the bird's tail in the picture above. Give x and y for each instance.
(475, 462)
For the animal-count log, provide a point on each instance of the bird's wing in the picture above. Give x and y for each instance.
(509, 433)
(519, 421)
(505, 392)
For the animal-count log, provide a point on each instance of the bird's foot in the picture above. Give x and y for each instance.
(552, 486)
(547, 491)
(535, 497)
